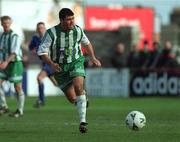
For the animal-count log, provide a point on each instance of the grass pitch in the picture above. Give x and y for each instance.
(58, 121)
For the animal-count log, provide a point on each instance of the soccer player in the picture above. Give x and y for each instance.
(11, 67)
(46, 69)
(60, 48)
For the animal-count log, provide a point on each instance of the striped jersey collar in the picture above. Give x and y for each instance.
(8, 32)
(62, 30)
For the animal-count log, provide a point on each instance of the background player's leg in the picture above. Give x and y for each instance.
(3, 103)
(20, 100)
(40, 77)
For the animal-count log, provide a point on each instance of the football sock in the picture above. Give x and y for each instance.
(81, 106)
(20, 102)
(2, 98)
(41, 91)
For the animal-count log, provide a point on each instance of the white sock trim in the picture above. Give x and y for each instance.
(20, 102)
(3, 102)
(81, 106)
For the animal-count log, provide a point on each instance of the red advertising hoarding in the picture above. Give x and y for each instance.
(104, 18)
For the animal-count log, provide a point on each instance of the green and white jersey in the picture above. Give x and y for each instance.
(10, 43)
(61, 46)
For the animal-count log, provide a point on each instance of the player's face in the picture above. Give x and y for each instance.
(41, 29)
(68, 22)
(6, 24)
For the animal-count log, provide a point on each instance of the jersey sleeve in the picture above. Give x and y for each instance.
(45, 45)
(85, 41)
(15, 44)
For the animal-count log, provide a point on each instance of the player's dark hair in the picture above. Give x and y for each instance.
(64, 12)
(3, 18)
(40, 23)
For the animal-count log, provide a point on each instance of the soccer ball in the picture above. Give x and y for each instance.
(135, 120)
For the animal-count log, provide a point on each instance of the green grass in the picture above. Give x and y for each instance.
(58, 121)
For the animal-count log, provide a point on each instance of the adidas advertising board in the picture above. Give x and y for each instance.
(166, 83)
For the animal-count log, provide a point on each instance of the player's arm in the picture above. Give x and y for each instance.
(1, 52)
(93, 58)
(15, 48)
(43, 51)
(4, 64)
(48, 61)
(90, 51)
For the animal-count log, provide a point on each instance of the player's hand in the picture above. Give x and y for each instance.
(3, 65)
(96, 62)
(56, 67)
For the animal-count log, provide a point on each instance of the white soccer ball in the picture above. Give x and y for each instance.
(135, 120)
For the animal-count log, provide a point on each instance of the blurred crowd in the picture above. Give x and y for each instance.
(158, 57)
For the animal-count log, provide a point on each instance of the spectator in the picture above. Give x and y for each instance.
(168, 57)
(134, 57)
(144, 55)
(119, 57)
(154, 56)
